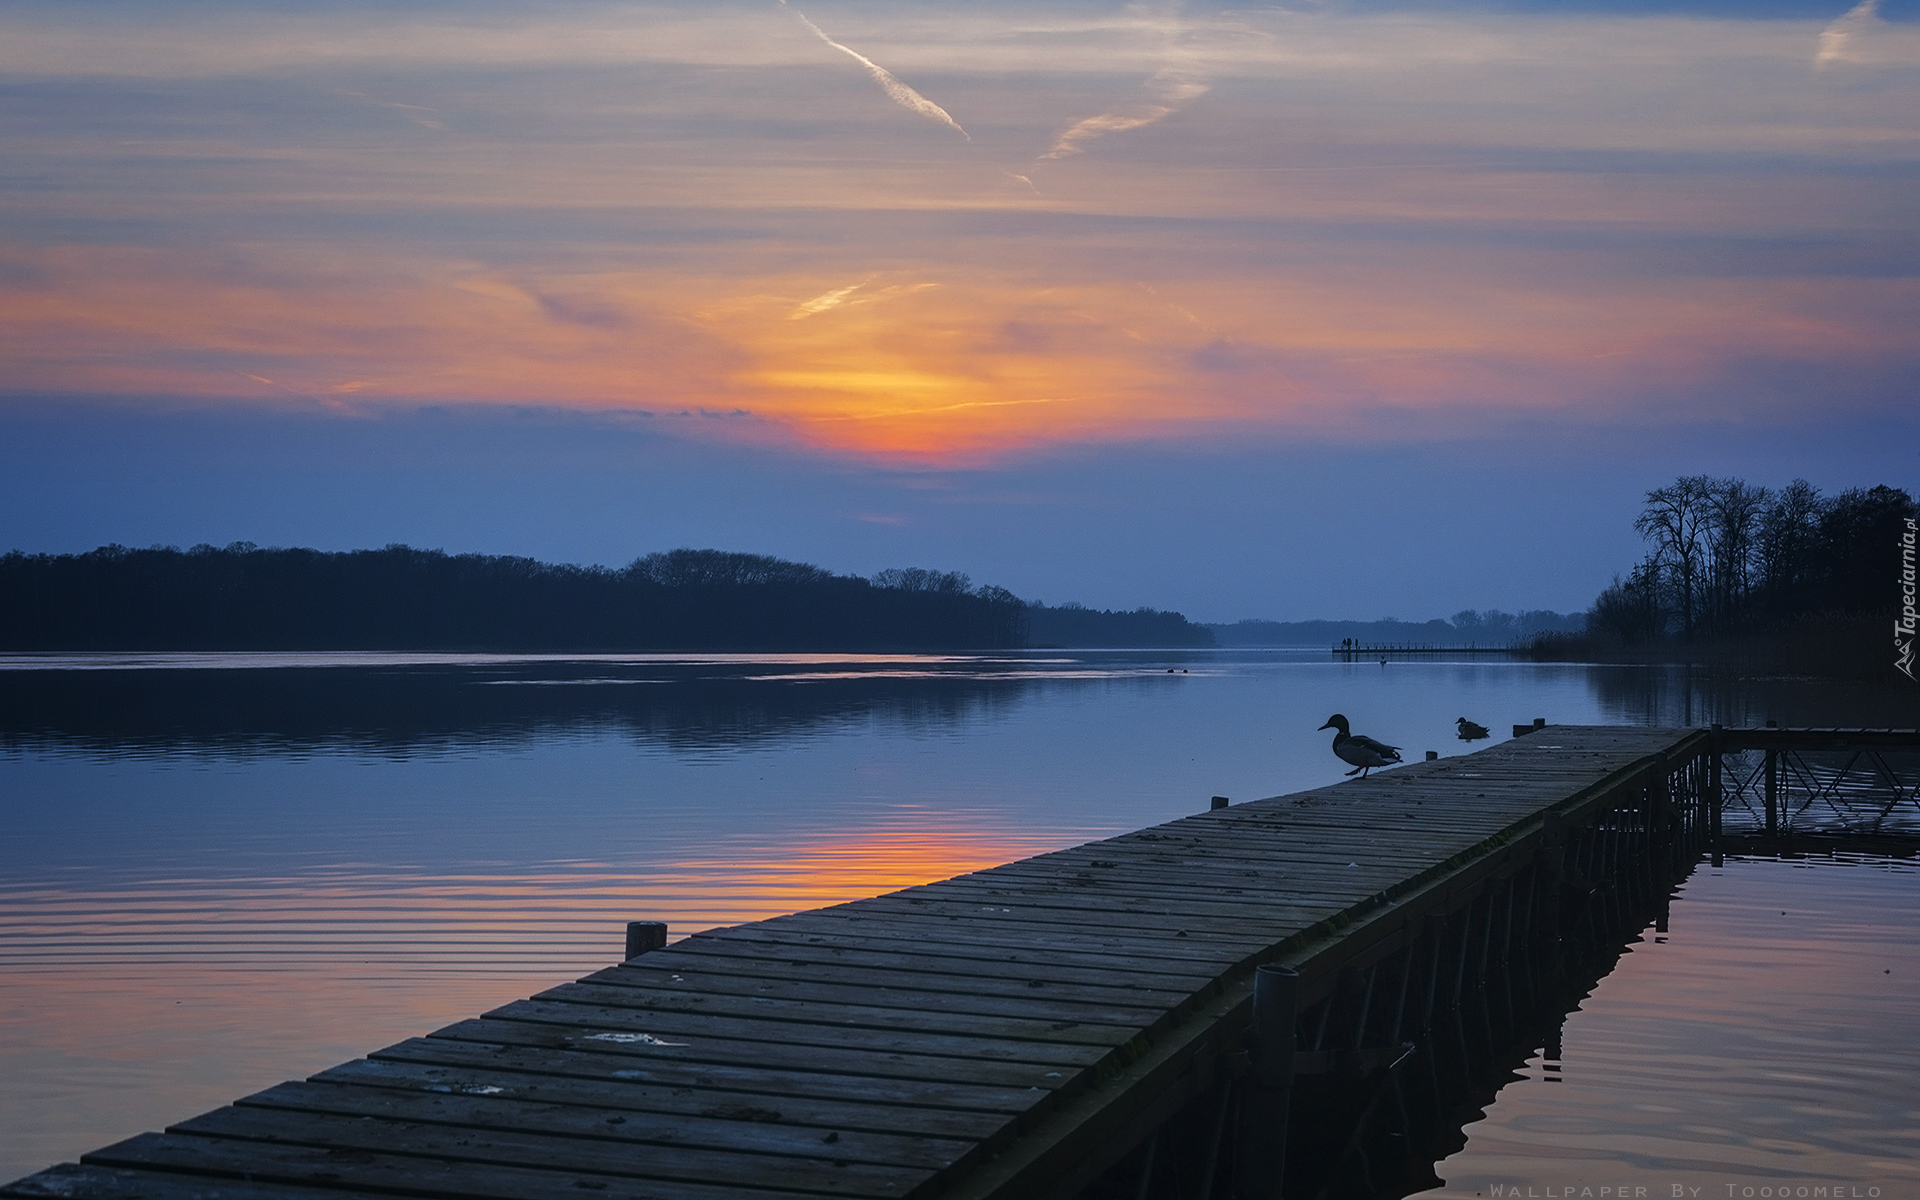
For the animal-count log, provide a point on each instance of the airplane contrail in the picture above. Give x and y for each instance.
(898, 92)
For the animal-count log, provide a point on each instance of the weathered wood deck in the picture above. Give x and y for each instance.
(972, 1037)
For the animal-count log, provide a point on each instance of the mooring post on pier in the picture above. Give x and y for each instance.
(1262, 1157)
(1220, 802)
(643, 936)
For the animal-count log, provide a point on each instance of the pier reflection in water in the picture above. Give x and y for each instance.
(1761, 1038)
(1747, 1026)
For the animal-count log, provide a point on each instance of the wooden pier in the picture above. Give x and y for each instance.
(1022, 1031)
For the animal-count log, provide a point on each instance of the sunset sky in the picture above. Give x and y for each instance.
(1338, 310)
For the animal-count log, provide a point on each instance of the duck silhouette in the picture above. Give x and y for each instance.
(1470, 732)
(1363, 752)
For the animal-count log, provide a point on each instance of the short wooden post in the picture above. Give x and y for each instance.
(1220, 802)
(1432, 755)
(1539, 722)
(1522, 730)
(1263, 1158)
(643, 936)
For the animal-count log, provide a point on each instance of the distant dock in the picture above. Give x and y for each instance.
(1137, 1009)
(1350, 650)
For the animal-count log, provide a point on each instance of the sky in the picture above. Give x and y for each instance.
(1341, 310)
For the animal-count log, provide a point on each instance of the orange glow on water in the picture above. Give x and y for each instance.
(868, 864)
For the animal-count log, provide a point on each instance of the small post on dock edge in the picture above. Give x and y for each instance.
(1220, 802)
(1261, 1155)
(1433, 755)
(643, 936)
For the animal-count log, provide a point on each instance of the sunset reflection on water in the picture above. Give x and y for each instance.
(186, 993)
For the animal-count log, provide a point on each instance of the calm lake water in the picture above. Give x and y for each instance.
(221, 871)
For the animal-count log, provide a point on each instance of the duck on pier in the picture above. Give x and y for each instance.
(1470, 732)
(1363, 752)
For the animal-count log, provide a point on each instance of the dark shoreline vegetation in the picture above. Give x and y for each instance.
(1754, 580)
(243, 597)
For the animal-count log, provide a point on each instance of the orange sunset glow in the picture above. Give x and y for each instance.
(1280, 219)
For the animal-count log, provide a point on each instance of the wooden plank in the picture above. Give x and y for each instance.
(935, 1106)
(895, 990)
(846, 1007)
(861, 916)
(350, 1168)
(587, 1023)
(1013, 948)
(889, 1117)
(1249, 934)
(534, 1151)
(1297, 885)
(1083, 943)
(741, 1127)
(746, 964)
(75, 1182)
(845, 1062)
(1225, 891)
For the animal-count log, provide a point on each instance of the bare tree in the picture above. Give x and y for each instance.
(1676, 520)
(1786, 546)
(1734, 508)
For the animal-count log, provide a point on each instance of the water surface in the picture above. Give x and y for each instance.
(221, 871)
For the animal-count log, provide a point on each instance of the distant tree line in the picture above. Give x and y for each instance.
(243, 597)
(1730, 559)
(1074, 624)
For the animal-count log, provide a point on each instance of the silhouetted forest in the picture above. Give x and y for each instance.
(1728, 557)
(243, 597)
(1783, 580)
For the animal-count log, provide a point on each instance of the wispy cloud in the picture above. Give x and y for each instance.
(410, 111)
(838, 297)
(1840, 41)
(898, 92)
(823, 302)
(1168, 90)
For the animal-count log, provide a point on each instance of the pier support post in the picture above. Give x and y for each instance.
(1773, 789)
(1660, 803)
(643, 936)
(1714, 797)
(1262, 1157)
(1552, 865)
